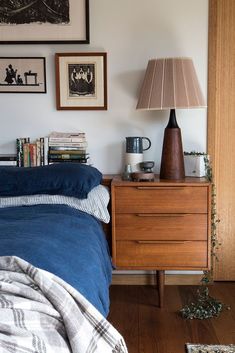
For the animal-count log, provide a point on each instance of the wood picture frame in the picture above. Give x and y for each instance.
(22, 75)
(44, 22)
(81, 81)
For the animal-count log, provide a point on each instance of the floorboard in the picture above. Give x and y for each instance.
(146, 328)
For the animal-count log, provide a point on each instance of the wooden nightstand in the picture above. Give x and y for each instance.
(161, 225)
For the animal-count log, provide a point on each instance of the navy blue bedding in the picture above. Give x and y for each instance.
(61, 240)
(69, 179)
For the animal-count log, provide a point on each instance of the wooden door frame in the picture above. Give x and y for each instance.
(212, 77)
(220, 125)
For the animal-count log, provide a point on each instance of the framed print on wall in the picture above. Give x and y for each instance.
(81, 81)
(22, 75)
(44, 21)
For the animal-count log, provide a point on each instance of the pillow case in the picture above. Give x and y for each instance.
(69, 179)
(95, 204)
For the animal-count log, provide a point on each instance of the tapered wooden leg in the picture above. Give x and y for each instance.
(160, 276)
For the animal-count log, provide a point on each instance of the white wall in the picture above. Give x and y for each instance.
(131, 32)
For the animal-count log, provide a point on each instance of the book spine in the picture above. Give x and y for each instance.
(67, 139)
(78, 152)
(38, 154)
(66, 135)
(32, 155)
(19, 150)
(8, 163)
(69, 149)
(68, 156)
(26, 156)
(68, 145)
(45, 151)
(7, 158)
(41, 151)
(56, 160)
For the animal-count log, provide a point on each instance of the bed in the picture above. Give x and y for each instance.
(55, 266)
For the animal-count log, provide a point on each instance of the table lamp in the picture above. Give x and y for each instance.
(171, 83)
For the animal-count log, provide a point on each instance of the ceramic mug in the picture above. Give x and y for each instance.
(134, 144)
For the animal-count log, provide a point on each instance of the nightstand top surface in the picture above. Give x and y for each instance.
(117, 180)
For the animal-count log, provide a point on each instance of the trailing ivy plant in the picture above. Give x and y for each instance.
(205, 306)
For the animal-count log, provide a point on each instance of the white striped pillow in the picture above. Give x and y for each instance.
(95, 204)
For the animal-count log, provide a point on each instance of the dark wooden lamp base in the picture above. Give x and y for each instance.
(172, 163)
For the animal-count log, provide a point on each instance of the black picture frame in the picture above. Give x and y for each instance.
(81, 81)
(77, 31)
(23, 75)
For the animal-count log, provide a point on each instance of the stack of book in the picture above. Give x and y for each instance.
(31, 154)
(67, 147)
(8, 160)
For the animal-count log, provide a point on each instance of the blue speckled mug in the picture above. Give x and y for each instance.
(134, 144)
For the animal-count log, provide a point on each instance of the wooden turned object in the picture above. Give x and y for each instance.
(142, 176)
(172, 163)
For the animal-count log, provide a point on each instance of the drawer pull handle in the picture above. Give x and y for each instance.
(162, 214)
(159, 188)
(169, 242)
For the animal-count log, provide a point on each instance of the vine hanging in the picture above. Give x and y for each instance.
(205, 306)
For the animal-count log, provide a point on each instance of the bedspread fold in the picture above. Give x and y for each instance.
(42, 313)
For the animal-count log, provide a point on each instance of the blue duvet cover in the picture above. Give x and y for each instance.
(61, 240)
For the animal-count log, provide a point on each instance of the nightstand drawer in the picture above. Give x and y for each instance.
(161, 199)
(188, 254)
(158, 226)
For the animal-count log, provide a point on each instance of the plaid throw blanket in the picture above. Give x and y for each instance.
(40, 313)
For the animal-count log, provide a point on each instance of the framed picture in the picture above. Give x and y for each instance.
(44, 21)
(22, 75)
(81, 81)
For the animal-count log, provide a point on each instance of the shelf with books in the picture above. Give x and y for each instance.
(56, 148)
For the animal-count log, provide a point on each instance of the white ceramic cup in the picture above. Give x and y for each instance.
(134, 160)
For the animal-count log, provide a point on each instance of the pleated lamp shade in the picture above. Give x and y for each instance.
(170, 83)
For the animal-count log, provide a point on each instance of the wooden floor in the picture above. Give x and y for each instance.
(148, 329)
